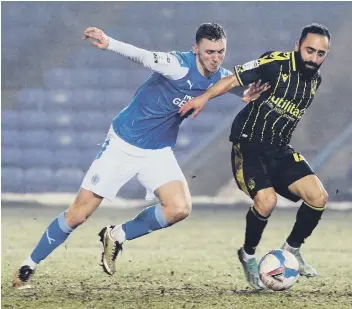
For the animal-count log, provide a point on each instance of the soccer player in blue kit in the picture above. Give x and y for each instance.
(139, 143)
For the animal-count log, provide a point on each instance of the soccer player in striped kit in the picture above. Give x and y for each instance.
(263, 162)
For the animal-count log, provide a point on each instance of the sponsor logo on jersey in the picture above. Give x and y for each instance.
(286, 107)
(180, 102)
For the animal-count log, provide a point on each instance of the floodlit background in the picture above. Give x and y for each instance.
(59, 94)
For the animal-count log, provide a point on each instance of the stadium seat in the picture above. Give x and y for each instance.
(33, 119)
(10, 119)
(12, 180)
(10, 138)
(92, 99)
(35, 138)
(68, 179)
(90, 139)
(31, 98)
(63, 139)
(11, 156)
(117, 99)
(38, 180)
(37, 157)
(87, 157)
(92, 120)
(67, 158)
(63, 120)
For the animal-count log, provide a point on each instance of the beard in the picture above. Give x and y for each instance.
(308, 68)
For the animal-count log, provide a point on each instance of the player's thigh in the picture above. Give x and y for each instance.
(288, 169)
(162, 177)
(111, 169)
(249, 171)
(311, 190)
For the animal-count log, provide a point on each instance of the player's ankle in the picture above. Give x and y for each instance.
(33, 265)
(118, 234)
(247, 256)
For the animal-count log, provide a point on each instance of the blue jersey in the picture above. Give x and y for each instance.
(151, 120)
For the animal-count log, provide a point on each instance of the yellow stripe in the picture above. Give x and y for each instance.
(288, 86)
(249, 116)
(293, 61)
(238, 76)
(297, 120)
(256, 117)
(288, 120)
(239, 169)
(315, 207)
(261, 219)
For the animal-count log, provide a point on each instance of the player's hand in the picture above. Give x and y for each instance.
(254, 91)
(197, 104)
(96, 37)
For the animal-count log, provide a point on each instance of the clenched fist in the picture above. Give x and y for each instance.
(96, 37)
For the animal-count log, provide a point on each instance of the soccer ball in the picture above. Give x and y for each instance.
(278, 270)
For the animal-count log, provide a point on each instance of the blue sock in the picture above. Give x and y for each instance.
(55, 235)
(148, 220)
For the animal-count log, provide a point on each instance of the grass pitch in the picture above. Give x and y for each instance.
(190, 265)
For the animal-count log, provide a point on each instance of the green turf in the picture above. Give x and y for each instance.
(190, 265)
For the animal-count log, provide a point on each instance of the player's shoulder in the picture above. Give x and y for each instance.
(275, 57)
(184, 58)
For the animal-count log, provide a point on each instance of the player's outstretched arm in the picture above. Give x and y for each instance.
(222, 86)
(161, 62)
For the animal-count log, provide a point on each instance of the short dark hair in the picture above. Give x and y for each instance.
(210, 31)
(314, 28)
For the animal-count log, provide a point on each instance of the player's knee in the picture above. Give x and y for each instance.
(180, 210)
(265, 202)
(76, 214)
(317, 198)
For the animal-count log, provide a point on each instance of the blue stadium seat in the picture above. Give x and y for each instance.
(92, 120)
(87, 157)
(31, 98)
(37, 157)
(67, 158)
(117, 99)
(35, 138)
(63, 139)
(33, 119)
(90, 139)
(58, 79)
(10, 119)
(38, 180)
(11, 156)
(94, 58)
(63, 120)
(10, 138)
(58, 100)
(68, 179)
(124, 78)
(91, 99)
(12, 180)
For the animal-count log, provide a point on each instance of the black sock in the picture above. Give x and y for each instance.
(255, 225)
(306, 220)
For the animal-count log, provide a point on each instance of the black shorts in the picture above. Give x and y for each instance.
(256, 168)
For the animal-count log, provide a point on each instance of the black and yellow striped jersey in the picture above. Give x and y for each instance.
(272, 118)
